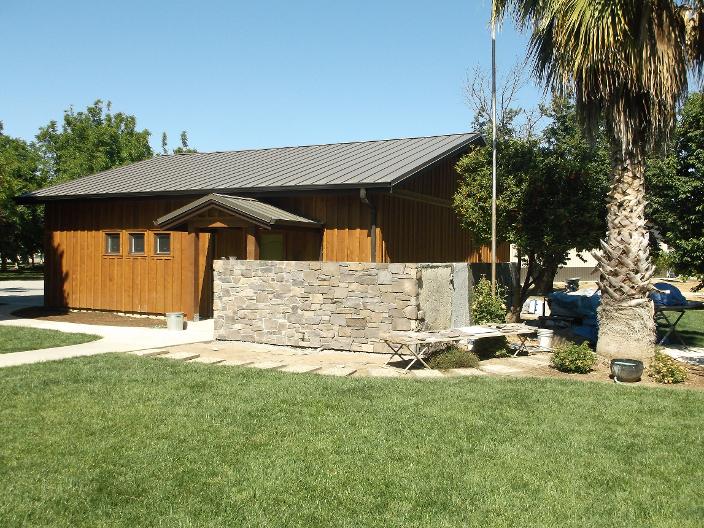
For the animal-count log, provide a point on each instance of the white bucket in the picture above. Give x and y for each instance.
(174, 320)
(545, 338)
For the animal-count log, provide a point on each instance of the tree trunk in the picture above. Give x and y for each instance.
(545, 284)
(514, 314)
(626, 324)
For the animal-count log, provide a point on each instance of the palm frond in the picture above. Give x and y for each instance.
(624, 60)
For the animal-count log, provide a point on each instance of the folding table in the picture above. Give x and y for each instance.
(418, 345)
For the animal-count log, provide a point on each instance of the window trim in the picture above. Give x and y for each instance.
(106, 234)
(129, 243)
(156, 244)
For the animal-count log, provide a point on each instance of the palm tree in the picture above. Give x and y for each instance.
(626, 63)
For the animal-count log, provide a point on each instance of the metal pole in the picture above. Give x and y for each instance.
(493, 145)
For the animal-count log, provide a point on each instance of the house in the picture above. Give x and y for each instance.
(143, 237)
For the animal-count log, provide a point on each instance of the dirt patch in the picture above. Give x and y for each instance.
(90, 318)
(538, 366)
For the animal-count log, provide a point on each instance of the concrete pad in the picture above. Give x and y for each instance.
(337, 371)
(467, 372)
(300, 369)
(148, 353)
(181, 356)
(428, 374)
(268, 365)
(208, 360)
(383, 373)
(236, 363)
(501, 370)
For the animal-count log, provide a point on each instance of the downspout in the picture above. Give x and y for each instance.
(372, 222)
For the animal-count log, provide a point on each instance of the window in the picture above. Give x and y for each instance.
(112, 243)
(136, 244)
(162, 243)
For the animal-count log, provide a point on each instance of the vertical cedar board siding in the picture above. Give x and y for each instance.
(80, 275)
(346, 235)
(413, 231)
(407, 230)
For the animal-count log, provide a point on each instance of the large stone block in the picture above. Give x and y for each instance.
(401, 323)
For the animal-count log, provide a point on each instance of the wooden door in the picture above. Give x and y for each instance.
(219, 243)
(229, 242)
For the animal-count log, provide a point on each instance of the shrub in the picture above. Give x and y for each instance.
(453, 357)
(490, 347)
(665, 369)
(574, 358)
(487, 308)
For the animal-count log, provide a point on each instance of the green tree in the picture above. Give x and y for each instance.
(626, 63)
(91, 141)
(21, 226)
(184, 148)
(676, 191)
(551, 196)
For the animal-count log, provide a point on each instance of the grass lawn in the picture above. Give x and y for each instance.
(691, 327)
(36, 273)
(125, 441)
(20, 338)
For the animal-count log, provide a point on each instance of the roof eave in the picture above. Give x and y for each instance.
(31, 199)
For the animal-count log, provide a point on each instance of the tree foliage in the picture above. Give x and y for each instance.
(91, 141)
(676, 190)
(20, 226)
(551, 194)
(87, 141)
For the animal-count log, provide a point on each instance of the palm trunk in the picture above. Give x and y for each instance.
(626, 324)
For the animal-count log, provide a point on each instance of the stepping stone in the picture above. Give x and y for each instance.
(182, 356)
(428, 374)
(383, 373)
(337, 371)
(501, 370)
(208, 360)
(236, 363)
(299, 369)
(268, 365)
(467, 372)
(531, 361)
(148, 353)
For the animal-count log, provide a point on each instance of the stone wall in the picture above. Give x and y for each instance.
(333, 305)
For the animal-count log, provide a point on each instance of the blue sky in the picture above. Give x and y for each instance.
(251, 74)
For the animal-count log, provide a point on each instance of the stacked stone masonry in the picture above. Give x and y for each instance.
(336, 305)
(333, 305)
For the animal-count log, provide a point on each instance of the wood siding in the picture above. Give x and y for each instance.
(417, 223)
(80, 275)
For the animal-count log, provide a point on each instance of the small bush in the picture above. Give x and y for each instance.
(487, 308)
(574, 358)
(491, 347)
(453, 357)
(665, 369)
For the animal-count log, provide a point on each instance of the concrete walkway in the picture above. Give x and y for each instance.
(333, 363)
(18, 294)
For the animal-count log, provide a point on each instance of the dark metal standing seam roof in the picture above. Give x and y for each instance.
(248, 208)
(342, 165)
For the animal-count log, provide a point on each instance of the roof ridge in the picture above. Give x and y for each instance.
(470, 132)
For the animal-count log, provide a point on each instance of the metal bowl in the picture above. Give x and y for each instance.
(628, 370)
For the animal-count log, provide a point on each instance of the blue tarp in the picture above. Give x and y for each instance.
(584, 306)
(581, 306)
(668, 295)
